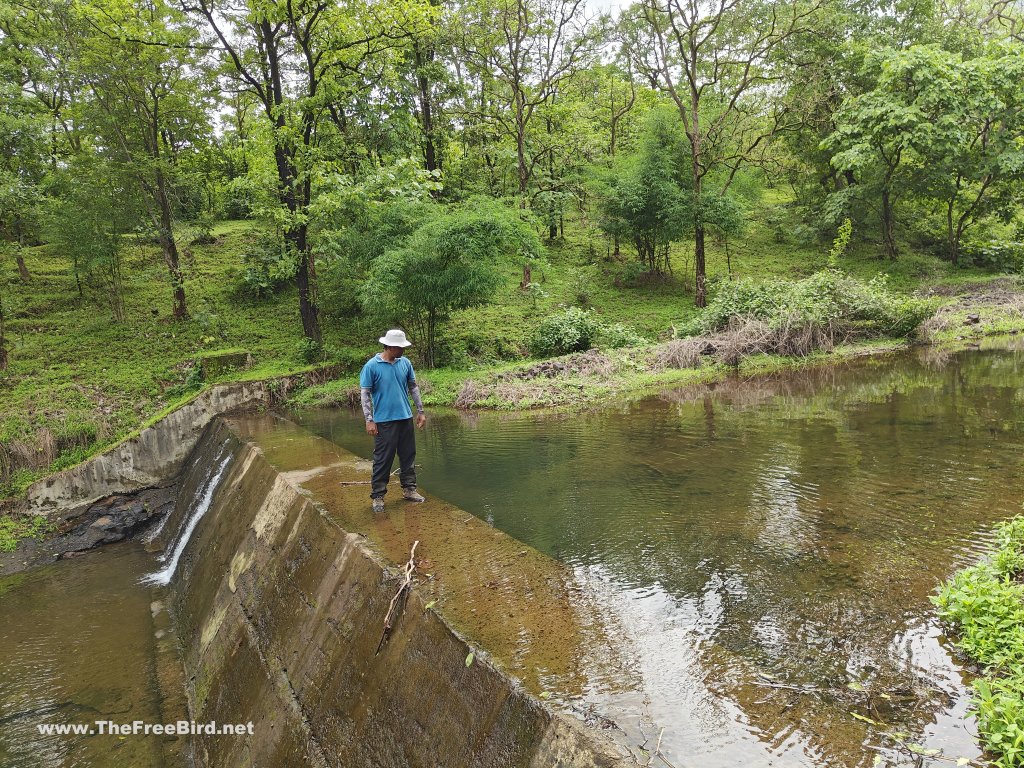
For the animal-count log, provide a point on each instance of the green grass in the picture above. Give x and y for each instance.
(984, 606)
(13, 529)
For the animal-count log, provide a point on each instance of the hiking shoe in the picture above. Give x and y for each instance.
(411, 494)
(378, 506)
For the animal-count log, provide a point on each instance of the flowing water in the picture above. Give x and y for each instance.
(762, 552)
(758, 559)
(79, 643)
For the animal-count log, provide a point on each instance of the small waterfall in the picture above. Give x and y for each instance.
(200, 491)
(205, 497)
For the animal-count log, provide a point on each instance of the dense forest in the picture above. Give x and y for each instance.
(394, 152)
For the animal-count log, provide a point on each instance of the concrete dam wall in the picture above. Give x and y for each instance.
(280, 597)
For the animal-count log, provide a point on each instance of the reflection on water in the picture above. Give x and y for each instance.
(764, 551)
(78, 645)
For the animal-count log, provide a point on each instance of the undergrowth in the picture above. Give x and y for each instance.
(797, 317)
(14, 528)
(984, 607)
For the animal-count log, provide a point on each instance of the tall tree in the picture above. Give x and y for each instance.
(718, 62)
(294, 57)
(523, 52)
(148, 102)
(936, 127)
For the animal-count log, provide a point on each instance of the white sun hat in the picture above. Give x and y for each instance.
(395, 338)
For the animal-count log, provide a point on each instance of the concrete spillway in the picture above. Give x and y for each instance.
(280, 597)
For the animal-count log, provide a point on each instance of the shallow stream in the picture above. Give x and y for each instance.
(762, 553)
(757, 557)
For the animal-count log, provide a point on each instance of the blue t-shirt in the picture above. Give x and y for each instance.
(389, 385)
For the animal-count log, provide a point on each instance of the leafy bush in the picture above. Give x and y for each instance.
(310, 351)
(997, 255)
(984, 605)
(202, 229)
(266, 267)
(571, 330)
(193, 381)
(827, 299)
(632, 274)
(454, 261)
(618, 335)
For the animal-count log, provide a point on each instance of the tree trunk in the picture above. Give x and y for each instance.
(169, 247)
(700, 276)
(888, 238)
(22, 269)
(298, 245)
(527, 277)
(950, 238)
(431, 153)
(699, 268)
(3, 338)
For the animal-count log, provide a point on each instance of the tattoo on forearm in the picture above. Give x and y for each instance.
(415, 391)
(366, 402)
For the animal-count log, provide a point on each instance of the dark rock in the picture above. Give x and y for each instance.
(972, 320)
(106, 521)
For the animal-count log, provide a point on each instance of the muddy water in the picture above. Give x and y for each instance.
(79, 643)
(763, 552)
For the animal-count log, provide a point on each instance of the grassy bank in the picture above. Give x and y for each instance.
(79, 382)
(984, 607)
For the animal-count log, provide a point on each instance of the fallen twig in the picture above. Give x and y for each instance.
(783, 686)
(766, 683)
(409, 570)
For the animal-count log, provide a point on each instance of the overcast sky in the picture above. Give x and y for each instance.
(602, 6)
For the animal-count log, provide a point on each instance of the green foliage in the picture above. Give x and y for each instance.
(996, 255)
(310, 351)
(841, 243)
(826, 298)
(266, 267)
(571, 330)
(97, 208)
(984, 605)
(452, 262)
(193, 381)
(646, 197)
(937, 127)
(14, 528)
(615, 335)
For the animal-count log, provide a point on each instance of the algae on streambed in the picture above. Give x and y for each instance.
(759, 554)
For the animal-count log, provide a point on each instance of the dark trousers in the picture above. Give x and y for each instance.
(393, 437)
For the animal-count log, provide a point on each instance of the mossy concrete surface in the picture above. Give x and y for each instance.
(151, 458)
(281, 613)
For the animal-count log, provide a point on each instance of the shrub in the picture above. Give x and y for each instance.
(984, 605)
(618, 335)
(310, 350)
(827, 303)
(997, 255)
(193, 381)
(571, 330)
(633, 274)
(266, 267)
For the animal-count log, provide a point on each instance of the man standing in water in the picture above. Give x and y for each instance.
(385, 384)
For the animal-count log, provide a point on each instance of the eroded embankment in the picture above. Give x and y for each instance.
(280, 609)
